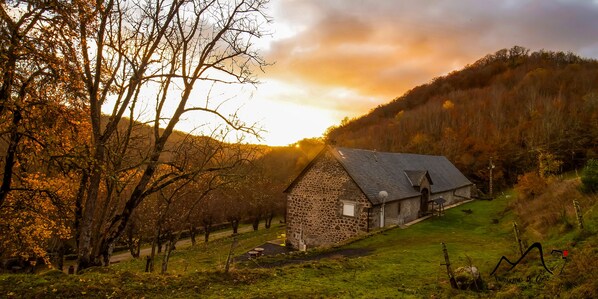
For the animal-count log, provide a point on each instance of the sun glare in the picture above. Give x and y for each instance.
(285, 123)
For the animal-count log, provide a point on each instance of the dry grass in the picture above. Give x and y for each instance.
(580, 276)
(551, 216)
(552, 210)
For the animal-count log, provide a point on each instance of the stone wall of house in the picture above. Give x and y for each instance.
(397, 212)
(391, 213)
(375, 217)
(409, 209)
(315, 205)
(454, 196)
(463, 193)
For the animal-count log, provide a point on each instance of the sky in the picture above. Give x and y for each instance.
(341, 58)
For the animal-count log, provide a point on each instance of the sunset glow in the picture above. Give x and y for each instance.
(337, 59)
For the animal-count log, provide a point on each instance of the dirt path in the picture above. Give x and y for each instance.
(184, 243)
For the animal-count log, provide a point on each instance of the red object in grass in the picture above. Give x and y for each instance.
(565, 253)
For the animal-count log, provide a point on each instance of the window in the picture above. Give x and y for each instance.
(348, 209)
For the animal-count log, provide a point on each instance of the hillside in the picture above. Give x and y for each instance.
(511, 105)
(395, 263)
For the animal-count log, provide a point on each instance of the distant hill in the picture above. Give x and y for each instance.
(512, 105)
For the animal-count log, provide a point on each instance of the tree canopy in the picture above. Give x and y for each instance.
(512, 105)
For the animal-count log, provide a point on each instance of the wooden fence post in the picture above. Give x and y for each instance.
(517, 238)
(230, 253)
(447, 263)
(578, 213)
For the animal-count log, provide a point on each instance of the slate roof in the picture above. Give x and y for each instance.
(397, 173)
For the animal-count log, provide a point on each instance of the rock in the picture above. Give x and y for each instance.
(468, 278)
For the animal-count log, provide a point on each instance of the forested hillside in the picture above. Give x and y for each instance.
(514, 106)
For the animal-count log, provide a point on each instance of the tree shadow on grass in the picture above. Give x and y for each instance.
(277, 256)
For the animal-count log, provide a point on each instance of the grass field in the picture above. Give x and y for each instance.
(401, 262)
(396, 263)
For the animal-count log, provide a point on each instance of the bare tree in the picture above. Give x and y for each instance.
(213, 163)
(207, 214)
(130, 51)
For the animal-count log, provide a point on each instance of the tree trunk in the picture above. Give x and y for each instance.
(118, 223)
(193, 231)
(11, 153)
(207, 228)
(134, 245)
(148, 262)
(170, 246)
(150, 258)
(268, 220)
(235, 224)
(138, 249)
(256, 223)
(171, 241)
(131, 241)
(59, 260)
(159, 244)
(165, 259)
(155, 242)
(86, 256)
(106, 253)
(230, 254)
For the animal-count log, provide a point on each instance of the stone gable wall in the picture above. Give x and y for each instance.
(315, 204)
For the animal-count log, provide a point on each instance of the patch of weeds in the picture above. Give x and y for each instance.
(53, 273)
(99, 269)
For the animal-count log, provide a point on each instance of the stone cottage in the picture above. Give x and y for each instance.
(345, 192)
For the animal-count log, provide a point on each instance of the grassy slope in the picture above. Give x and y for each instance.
(402, 263)
(408, 259)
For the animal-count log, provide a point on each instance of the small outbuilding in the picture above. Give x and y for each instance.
(346, 192)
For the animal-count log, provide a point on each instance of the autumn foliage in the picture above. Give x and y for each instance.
(530, 185)
(511, 105)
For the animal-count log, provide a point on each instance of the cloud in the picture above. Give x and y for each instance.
(340, 58)
(376, 50)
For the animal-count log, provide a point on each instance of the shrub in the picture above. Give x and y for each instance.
(552, 209)
(578, 279)
(548, 164)
(589, 176)
(530, 185)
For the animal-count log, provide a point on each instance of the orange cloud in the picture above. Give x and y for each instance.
(343, 51)
(338, 58)
(377, 50)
